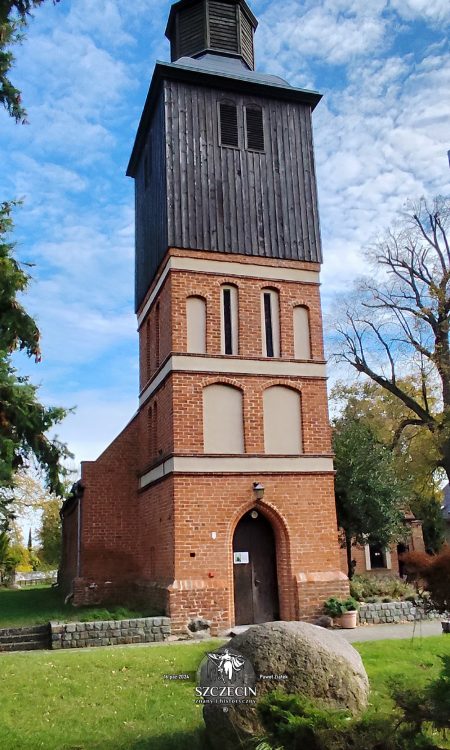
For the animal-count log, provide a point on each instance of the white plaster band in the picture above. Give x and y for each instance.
(238, 465)
(231, 366)
(229, 268)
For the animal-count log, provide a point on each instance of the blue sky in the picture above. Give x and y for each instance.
(381, 137)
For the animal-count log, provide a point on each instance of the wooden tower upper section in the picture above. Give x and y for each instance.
(223, 158)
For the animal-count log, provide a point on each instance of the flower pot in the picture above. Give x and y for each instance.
(349, 619)
(445, 626)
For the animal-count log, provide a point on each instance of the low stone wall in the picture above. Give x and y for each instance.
(381, 612)
(109, 632)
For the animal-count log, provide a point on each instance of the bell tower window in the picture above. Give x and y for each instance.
(254, 128)
(229, 135)
(270, 323)
(229, 320)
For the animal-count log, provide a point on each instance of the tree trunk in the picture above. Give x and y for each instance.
(348, 549)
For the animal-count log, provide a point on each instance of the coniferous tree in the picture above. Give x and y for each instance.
(14, 15)
(24, 421)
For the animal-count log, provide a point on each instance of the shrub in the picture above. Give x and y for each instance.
(337, 607)
(433, 573)
(365, 588)
(293, 722)
(427, 705)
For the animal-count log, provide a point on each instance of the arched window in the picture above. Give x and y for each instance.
(270, 322)
(148, 343)
(282, 421)
(155, 431)
(228, 124)
(229, 319)
(196, 325)
(302, 342)
(223, 425)
(150, 435)
(157, 332)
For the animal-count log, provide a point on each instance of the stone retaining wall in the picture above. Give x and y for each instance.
(381, 612)
(109, 632)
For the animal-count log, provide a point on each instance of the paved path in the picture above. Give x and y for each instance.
(386, 632)
(379, 632)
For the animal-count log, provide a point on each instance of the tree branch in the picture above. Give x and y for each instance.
(403, 424)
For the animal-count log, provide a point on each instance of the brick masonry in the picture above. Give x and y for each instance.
(156, 545)
(109, 632)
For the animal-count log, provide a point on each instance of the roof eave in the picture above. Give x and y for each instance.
(164, 71)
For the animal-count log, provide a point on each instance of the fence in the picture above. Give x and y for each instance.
(35, 577)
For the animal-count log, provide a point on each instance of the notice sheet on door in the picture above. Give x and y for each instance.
(240, 557)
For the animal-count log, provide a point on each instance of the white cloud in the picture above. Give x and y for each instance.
(434, 11)
(334, 32)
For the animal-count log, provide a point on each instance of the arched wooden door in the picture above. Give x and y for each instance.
(255, 570)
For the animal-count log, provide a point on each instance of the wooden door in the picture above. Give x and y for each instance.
(255, 573)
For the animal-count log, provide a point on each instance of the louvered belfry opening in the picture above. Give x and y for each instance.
(228, 124)
(255, 128)
(191, 30)
(223, 27)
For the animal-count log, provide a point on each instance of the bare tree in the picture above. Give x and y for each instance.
(400, 320)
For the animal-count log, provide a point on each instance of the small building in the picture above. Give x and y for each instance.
(217, 499)
(378, 560)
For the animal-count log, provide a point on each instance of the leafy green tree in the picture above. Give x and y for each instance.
(413, 449)
(50, 533)
(369, 495)
(14, 16)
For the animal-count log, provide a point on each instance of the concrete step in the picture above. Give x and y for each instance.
(30, 638)
(29, 630)
(24, 637)
(25, 646)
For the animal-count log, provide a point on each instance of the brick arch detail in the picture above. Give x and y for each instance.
(283, 384)
(286, 588)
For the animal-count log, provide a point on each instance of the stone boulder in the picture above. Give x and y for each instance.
(318, 663)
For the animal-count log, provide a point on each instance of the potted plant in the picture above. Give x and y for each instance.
(345, 611)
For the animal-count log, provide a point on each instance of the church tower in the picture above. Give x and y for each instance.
(217, 500)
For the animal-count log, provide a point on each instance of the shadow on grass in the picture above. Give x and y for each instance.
(195, 740)
(38, 605)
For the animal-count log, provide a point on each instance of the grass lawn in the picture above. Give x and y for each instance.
(39, 604)
(117, 699)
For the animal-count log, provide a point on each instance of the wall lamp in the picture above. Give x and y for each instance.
(258, 489)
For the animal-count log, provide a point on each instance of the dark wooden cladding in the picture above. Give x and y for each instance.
(232, 199)
(151, 205)
(223, 26)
